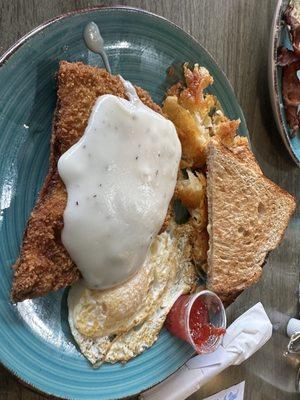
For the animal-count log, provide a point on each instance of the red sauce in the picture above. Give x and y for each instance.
(200, 327)
(176, 317)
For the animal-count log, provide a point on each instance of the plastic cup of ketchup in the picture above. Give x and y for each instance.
(199, 319)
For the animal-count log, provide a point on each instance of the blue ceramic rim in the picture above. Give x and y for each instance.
(18, 44)
(5, 56)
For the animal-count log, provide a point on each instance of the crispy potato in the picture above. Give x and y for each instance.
(193, 137)
(191, 190)
(192, 97)
(200, 246)
(226, 132)
(198, 118)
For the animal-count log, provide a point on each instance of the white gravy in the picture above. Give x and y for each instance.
(120, 178)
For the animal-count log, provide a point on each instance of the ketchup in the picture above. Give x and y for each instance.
(200, 327)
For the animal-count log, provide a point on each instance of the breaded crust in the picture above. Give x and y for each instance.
(44, 264)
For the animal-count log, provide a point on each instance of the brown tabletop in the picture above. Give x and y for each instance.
(236, 33)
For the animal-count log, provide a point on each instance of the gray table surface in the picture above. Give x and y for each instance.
(236, 32)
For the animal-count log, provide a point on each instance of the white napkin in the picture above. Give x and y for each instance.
(243, 338)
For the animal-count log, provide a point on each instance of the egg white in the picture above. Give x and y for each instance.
(120, 323)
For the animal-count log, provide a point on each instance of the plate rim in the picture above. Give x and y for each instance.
(4, 58)
(15, 46)
(273, 80)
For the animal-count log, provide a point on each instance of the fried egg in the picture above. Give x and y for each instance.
(119, 323)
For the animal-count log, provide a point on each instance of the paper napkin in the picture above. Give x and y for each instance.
(235, 392)
(243, 337)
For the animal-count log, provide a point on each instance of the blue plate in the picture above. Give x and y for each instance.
(35, 340)
(279, 37)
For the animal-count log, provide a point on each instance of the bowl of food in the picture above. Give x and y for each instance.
(199, 319)
(119, 191)
(284, 84)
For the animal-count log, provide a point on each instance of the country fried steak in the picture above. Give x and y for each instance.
(44, 264)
